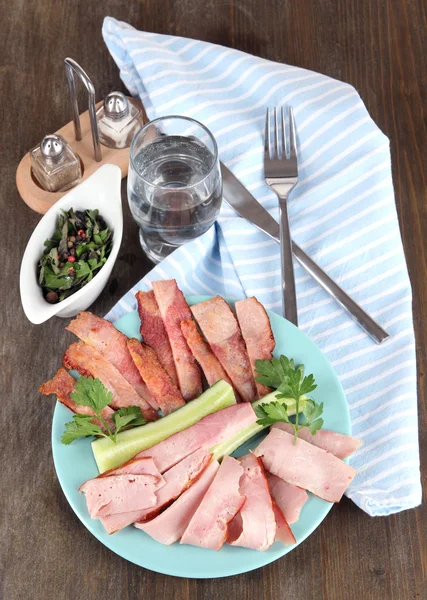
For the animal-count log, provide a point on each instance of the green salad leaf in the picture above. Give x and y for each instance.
(291, 383)
(93, 394)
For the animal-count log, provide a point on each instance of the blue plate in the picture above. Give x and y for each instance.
(75, 464)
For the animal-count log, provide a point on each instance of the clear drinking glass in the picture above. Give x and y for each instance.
(174, 183)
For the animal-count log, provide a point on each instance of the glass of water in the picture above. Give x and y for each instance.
(174, 183)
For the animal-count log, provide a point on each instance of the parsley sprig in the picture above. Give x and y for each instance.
(92, 393)
(292, 384)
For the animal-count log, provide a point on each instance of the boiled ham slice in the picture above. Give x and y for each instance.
(338, 444)
(131, 487)
(305, 465)
(289, 498)
(205, 434)
(174, 309)
(111, 343)
(283, 531)
(257, 334)
(207, 360)
(220, 328)
(62, 384)
(169, 526)
(154, 334)
(255, 525)
(177, 480)
(87, 361)
(167, 395)
(208, 527)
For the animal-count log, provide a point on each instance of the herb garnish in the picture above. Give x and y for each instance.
(74, 254)
(290, 382)
(92, 393)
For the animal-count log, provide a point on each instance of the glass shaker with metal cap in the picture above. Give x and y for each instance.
(54, 164)
(118, 120)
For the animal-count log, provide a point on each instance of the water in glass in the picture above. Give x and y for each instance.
(179, 203)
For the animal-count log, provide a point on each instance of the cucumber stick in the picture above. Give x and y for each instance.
(231, 444)
(109, 455)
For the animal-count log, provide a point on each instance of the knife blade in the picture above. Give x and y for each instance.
(248, 207)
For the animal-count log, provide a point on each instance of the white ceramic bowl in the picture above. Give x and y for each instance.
(102, 191)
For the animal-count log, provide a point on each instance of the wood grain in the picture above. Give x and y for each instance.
(41, 200)
(376, 45)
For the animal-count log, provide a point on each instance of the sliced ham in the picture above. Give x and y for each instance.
(111, 343)
(289, 498)
(154, 333)
(136, 465)
(174, 309)
(169, 526)
(131, 487)
(118, 493)
(205, 434)
(87, 361)
(338, 444)
(202, 352)
(167, 395)
(257, 334)
(208, 527)
(255, 525)
(220, 328)
(177, 480)
(283, 531)
(62, 385)
(305, 465)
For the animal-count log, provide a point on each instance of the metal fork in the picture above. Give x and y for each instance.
(281, 175)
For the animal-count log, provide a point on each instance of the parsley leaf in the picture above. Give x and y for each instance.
(80, 426)
(291, 383)
(126, 416)
(93, 394)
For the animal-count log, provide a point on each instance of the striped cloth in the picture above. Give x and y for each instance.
(342, 213)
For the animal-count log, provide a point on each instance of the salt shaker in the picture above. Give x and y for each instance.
(54, 164)
(118, 120)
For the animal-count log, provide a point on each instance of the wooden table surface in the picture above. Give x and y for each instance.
(376, 45)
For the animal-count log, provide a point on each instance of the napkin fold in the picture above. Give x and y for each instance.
(342, 212)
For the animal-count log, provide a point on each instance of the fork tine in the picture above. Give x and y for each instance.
(276, 136)
(267, 134)
(293, 142)
(284, 139)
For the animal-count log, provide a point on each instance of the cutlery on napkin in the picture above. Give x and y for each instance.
(342, 212)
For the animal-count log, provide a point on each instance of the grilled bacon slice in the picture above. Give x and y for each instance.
(167, 395)
(174, 309)
(154, 334)
(111, 343)
(220, 328)
(62, 385)
(257, 334)
(89, 362)
(202, 352)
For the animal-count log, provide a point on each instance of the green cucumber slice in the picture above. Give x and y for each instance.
(109, 455)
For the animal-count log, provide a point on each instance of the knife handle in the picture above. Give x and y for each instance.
(355, 311)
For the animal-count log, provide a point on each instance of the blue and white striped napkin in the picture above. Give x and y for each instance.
(342, 213)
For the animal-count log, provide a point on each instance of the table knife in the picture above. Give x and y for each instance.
(248, 207)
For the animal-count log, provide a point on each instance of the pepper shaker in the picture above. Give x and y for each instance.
(118, 120)
(54, 164)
